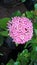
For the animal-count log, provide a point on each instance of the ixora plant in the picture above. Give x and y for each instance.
(22, 28)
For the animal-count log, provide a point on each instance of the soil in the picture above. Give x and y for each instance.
(7, 11)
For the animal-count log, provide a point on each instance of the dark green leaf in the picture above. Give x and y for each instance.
(35, 31)
(4, 33)
(3, 22)
(23, 15)
(23, 57)
(33, 41)
(11, 62)
(35, 25)
(17, 63)
(17, 13)
(29, 14)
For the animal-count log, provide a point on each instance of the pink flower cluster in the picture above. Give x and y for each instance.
(20, 29)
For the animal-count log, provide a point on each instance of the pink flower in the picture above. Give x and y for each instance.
(20, 29)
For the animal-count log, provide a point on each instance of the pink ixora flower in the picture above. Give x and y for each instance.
(20, 29)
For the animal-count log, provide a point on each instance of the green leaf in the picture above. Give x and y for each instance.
(33, 55)
(29, 14)
(23, 15)
(35, 22)
(36, 48)
(11, 62)
(35, 6)
(35, 31)
(23, 57)
(3, 22)
(36, 18)
(33, 41)
(23, 0)
(16, 13)
(17, 63)
(4, 33)
(16, 44)
(35, 25)
(24, 53)
(31, 63)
